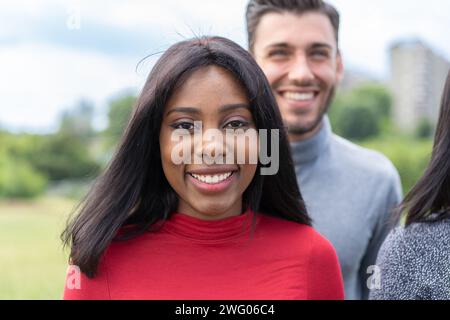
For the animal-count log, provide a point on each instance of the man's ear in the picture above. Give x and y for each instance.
(339, 66)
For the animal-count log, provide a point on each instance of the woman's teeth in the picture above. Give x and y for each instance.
(299, 96)
(212, 179)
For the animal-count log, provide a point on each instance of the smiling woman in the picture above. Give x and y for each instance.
(215, 191)
(154, 229)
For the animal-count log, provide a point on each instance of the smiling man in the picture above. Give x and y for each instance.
(349, 190)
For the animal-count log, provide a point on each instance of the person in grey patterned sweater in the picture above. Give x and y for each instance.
(414, 263)
(414, 260)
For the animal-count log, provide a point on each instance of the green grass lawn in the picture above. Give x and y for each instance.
(32, 261)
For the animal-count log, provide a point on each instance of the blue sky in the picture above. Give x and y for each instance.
(55, 52)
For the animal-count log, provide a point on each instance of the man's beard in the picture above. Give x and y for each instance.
(301, 129)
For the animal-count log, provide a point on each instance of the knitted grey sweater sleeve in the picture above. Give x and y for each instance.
(414, 263)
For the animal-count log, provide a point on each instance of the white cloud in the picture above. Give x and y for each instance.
(35, 8)
(39, 78)
(37, 82)
(370, 27)
(172, 17)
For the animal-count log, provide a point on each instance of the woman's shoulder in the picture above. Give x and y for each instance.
(413, 261)
(419, 236)
(418, 241)
(282, 224)
(128, 242)
(308, 247)
(298, 232)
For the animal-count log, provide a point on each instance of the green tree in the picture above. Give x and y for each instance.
(78, 121)
(357, 123)
(65, 156)
(118, 115)
(374, 96)
(424, 129)
(408, 155)
(361, 113)
(18, 179)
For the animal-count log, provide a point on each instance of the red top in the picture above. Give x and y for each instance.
(193, 259)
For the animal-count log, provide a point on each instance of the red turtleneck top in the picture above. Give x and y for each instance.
(229, 259)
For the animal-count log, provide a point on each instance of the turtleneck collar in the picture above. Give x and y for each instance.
(199, 230)
(309, 150)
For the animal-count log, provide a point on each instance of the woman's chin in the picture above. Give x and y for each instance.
(215, 211)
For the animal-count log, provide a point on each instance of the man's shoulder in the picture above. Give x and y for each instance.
(363, 159)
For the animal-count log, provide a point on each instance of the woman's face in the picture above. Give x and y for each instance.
(213, 99)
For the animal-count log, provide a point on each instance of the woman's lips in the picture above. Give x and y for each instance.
(212, 169)
(212, 183)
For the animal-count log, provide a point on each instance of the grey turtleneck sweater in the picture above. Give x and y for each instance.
(349, 192)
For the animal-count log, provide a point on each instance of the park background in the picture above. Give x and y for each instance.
(70, 72)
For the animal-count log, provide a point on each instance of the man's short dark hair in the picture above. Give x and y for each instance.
(256, 9)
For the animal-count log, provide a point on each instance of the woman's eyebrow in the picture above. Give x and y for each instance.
(184, 110)
(231, 107)
(222, 109)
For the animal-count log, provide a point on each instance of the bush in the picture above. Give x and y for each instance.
(424, 129)
(409, 156)
(64, 156)
(374, 96)
(361, 113)
(19, 180)
(357, 123)
(119, 112)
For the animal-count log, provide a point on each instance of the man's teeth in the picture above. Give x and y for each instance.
(212, 179)
(299, 96)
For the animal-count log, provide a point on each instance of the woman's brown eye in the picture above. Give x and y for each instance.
(183, 125)
(236, 124)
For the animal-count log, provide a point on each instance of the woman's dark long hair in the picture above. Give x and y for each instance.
(133, 190)
(429, 199)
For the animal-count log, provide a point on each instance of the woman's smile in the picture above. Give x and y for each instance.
(213, 179)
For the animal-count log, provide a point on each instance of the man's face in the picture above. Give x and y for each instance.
(299, 55)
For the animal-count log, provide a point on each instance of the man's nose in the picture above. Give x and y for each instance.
(300, 70)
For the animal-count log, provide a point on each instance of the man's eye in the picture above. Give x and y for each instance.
(278, 53)
(236, 124)
(320, 54)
